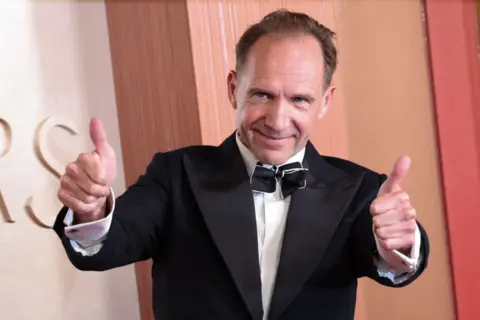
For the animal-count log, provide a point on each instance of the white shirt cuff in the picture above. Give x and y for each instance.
(87, 238)
(394, 263)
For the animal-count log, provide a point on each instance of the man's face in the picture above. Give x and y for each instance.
(278, 95)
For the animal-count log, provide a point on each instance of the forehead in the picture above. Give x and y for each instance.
(293, 58)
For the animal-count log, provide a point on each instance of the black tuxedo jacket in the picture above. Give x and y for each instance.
(193, 213)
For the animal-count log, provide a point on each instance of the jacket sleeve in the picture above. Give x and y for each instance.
(138, 223)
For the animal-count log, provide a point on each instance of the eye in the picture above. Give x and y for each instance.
(261, 95)
(299, 100)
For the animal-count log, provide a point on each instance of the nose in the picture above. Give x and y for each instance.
(276, 116)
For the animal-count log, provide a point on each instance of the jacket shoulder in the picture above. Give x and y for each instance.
(348, 166)
(197, 153)
(354, 169)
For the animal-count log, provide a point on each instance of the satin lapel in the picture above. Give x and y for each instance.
(314, 214)
(223, 193)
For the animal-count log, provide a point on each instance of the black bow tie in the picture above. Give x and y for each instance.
(292, 176)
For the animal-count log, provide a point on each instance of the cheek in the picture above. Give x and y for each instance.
(304, 124)
(249, 115)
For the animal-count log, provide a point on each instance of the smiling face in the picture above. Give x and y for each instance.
(279, 93)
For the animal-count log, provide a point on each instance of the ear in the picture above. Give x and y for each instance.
(232, 87)
(326, 100)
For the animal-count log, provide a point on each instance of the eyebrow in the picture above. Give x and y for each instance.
(304, 95)
(253, 89)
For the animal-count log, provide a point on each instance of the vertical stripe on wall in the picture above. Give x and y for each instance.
(453, 41)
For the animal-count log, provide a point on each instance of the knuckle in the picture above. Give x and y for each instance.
(403, 197)
(83, 157)
(105, 191)
(412, 225)
(90, 199)
(91, 189)
(98, 177)
(63, 181)
(376, 222)
(383, 243)
(60, 195)
(102, 176)
(381, 233)
(389, 244)
(93, 159)
(71, 168)
(412, 213)
(408, 214)
(374, 208)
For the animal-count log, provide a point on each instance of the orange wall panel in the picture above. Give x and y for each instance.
(390, 112)
(155, 92)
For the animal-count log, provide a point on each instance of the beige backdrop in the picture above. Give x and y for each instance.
(54, 64)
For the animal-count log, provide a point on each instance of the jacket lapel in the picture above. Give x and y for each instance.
(314, 214)
(221, 187)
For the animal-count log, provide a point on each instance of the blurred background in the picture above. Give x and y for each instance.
(155, 73)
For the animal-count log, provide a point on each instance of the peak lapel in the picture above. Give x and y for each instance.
(222, 190)
(313, 217)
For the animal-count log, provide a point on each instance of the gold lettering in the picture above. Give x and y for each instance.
(39, 206)
(41, 142)
(6, 132)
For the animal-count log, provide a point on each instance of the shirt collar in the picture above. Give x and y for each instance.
(251, 161)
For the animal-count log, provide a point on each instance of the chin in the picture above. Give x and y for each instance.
(274, 157)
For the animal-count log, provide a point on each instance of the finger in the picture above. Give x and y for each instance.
(397, 230)
(72, 188)
(398, 174)
(75, 171)
(81, 180)
(99, 137)
(394, 216)
(92, 166)
(401, 243)
(92, 189)
(67, 183)
(75, 204)
(390, 201)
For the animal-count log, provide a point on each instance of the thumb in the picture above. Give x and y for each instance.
(398, 174)
(99, 138)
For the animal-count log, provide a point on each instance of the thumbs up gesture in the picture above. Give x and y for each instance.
(394, 218)
(86, 183)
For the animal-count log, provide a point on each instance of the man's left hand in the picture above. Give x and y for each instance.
(394, 218)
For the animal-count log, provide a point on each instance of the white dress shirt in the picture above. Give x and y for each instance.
(271, 214)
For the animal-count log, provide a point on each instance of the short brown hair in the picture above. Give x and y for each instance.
(288, 22)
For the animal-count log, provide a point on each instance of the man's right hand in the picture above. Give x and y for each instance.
(86, 183)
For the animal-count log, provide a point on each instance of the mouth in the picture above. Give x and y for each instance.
(269, 136)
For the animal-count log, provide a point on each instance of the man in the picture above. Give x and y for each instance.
(261, 227)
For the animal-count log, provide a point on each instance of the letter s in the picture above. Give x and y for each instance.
(37, 202)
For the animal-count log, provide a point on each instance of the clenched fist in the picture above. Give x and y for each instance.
(86, 183)
(394, 218)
